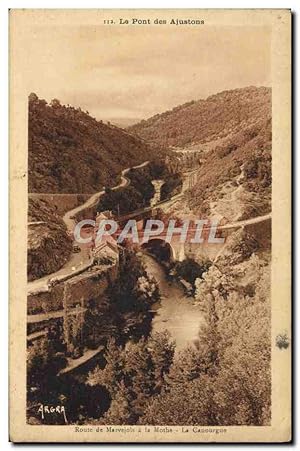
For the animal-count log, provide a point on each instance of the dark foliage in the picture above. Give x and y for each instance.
(190, 270)
(121, 201)
(71, 152)
(171, 187)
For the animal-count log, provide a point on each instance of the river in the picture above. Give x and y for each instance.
(175, 311)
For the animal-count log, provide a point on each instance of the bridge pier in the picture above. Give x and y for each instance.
(180, 252)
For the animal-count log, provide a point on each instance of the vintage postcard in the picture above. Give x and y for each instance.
(150, 215)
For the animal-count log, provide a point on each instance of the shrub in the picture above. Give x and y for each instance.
(190, 270)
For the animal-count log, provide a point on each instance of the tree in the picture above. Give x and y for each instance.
(133, 290)
(162, 351)
(119, 411)
(133, 375)
(112, 374)
(33, 97)
(55, 103)
(226, 380)
(190, 270)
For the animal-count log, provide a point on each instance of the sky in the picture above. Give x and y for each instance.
(132, 73)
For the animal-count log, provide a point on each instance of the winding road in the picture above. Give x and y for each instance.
(82, 259)
(93, 200)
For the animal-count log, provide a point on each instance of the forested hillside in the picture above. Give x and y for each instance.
(232, 131)
(202, 121)
(71, 152)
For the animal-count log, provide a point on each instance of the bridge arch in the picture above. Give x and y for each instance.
(161, 249)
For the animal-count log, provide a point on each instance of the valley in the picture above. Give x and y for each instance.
(159, 309)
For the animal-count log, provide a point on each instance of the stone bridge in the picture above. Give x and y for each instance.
(62, 301)
(259, 226)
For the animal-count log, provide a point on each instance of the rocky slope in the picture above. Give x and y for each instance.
(233, 132)
(71, 152)
(49, 246)
(242, 165)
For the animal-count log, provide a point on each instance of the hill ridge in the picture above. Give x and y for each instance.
(71, 152)
(205, 120)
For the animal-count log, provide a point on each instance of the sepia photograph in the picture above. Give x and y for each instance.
(149, 234)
